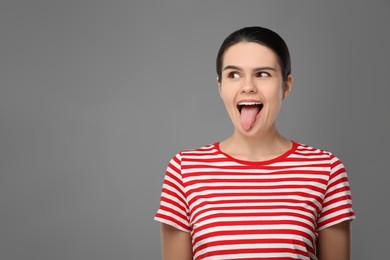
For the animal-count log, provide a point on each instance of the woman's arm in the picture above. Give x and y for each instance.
(334, 243)
(176, 244)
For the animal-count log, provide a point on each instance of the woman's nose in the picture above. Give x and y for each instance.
(249, 86)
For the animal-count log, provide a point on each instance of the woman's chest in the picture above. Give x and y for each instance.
(258, 210)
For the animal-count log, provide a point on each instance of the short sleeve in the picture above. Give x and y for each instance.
(337, 203)
(173, 208)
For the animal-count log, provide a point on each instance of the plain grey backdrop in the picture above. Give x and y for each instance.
(97, 96)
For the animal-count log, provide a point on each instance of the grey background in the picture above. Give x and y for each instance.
(96, 96)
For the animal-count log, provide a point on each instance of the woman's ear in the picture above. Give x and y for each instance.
(219, 85)
(287, 86)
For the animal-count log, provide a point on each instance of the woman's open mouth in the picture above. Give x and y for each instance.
(248, 113)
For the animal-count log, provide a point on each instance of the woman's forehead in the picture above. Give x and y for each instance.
(250, 54)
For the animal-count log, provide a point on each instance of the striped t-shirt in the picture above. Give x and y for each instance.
(237, 209)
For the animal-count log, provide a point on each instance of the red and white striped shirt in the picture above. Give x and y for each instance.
(237, 209)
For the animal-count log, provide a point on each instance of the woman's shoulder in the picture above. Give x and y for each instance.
(309, 149)
(204, 149)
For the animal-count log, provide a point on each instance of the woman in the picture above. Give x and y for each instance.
(255, 195)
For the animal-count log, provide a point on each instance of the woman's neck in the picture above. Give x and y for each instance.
(256, 148)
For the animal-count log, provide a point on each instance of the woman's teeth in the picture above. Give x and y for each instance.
(240, 105)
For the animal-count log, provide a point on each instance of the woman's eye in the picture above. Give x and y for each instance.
(234, 75)
(262, 74)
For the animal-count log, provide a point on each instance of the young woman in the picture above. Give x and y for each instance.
(255, 195)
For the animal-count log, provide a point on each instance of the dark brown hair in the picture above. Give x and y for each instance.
(261, 36)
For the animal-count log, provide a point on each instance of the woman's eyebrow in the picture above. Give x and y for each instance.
(231, 67)
(264, 68)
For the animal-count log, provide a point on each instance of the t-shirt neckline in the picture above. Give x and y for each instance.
(270, 161)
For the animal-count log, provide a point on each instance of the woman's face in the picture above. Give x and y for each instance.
(252, 87)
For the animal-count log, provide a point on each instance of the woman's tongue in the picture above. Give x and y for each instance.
(248, 116)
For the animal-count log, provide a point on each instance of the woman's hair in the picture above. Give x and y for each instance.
(260, 35)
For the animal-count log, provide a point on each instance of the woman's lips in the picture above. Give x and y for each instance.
(241, 104)
(248, 113)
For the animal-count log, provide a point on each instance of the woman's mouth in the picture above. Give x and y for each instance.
(248, 113)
